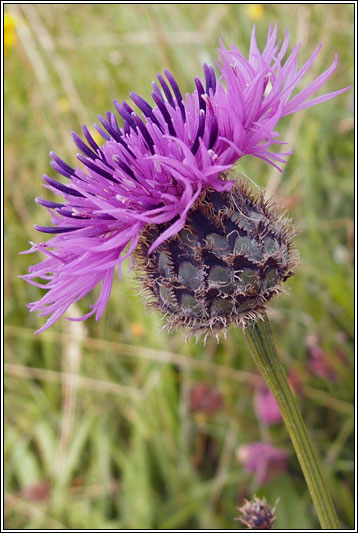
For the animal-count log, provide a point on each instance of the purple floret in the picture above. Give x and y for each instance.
(151, 170)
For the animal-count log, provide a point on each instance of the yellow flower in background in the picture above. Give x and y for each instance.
(9, 22)
(62, 105)
(9, 32)
(137, 329)
(255, 11)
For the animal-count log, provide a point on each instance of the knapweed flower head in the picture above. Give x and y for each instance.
(151, 172)
(263, 459)
(224, 265)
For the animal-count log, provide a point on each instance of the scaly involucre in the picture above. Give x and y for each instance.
(151, 170)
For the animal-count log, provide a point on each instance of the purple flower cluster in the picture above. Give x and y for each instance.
(263, 459)
(153, 168)
(266, 407)
(319, 361)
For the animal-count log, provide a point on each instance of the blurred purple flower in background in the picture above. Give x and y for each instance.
(319, 360)
(152, 170)
(205, 398)
(266, 407)
(263, 459)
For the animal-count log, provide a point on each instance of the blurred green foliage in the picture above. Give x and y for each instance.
(99, 432)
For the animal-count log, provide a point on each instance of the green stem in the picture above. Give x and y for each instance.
(266, 358)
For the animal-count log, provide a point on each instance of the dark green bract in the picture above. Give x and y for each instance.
(223, 266)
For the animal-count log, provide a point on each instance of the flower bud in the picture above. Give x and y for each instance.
(257, 514)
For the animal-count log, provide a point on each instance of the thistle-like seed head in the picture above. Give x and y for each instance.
(227, 262)
(257, 514)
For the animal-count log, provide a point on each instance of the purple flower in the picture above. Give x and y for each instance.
(266, 407)
(263, 460)
(205, 398)
(319, 361)
(153, 168)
